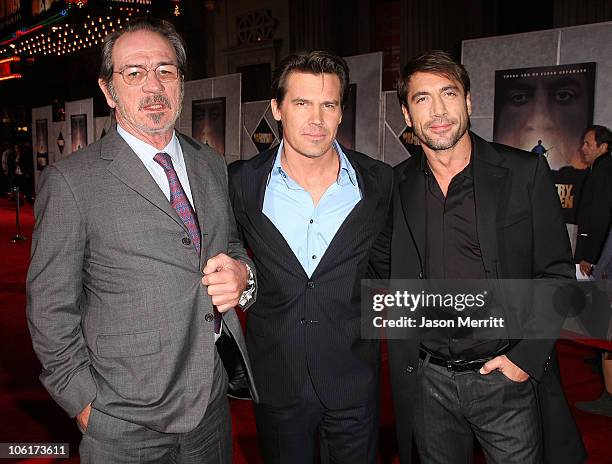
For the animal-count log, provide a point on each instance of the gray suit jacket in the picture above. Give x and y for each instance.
(116, 310)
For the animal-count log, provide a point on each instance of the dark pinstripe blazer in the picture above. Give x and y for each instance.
(302, 325)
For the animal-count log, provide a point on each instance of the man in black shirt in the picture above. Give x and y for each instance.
(594, 222)
(595, 211)
(468, 209)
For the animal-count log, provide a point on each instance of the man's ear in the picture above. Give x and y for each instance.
(109, 99)
(407, 117)
(275, 109)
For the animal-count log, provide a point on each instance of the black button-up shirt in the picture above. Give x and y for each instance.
(453, 252)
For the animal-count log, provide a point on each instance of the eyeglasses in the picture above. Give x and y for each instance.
(136, 75)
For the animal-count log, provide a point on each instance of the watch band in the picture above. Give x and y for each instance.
(247, 295)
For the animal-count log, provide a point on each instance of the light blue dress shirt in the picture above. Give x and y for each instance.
(308, 230)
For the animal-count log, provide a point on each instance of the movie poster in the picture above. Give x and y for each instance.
(8, 8)
(346, 130)
(545, 110)
(263, 137)
(78, 127)
(409, 139)
(40, 6)
(208, 123)
(42, 149)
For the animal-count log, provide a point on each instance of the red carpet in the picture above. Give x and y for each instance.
(28, 414)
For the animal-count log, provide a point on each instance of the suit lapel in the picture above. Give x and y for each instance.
(367, 181)
(489, 182)
(203, 186)
(255, 192)
(128, 168)
(412, 200)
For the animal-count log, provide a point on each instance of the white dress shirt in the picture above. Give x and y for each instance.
(146, 153)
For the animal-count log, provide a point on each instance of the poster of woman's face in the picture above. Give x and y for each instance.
(545, 110)
(208, 123)
(42, 150)
(78, 126)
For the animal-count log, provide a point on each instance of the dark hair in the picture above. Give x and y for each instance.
(434, 62)
(315, 62)
(159, 26)
(602, 135)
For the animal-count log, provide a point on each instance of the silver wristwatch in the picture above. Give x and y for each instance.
(247, 295)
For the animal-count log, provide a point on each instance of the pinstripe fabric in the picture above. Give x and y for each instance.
(303, 326)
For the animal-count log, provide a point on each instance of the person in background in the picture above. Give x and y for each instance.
(595, 210)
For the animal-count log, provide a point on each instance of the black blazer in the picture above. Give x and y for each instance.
(522, 236)
(595, 211)
(301, 325)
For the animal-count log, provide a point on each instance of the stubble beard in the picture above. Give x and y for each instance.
(317, 154)
(321, 150)
(441, 144)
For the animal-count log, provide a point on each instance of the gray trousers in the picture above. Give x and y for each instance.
(453, 407)
(109, 440)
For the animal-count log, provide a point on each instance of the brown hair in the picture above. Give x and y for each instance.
(315, 62)
(435, 62)
(602, 135)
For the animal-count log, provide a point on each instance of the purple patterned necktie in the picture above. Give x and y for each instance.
(179, 200)
(180, 203)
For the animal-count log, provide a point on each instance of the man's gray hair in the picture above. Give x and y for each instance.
(159, 26)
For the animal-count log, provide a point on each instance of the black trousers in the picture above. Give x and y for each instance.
(296, 433)
(453, 407)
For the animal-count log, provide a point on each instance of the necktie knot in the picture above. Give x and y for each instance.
(164, 160)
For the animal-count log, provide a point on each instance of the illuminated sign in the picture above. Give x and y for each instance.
(136, 2)
(79, 3)
(5, 69)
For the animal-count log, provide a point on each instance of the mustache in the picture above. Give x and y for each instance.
(440, 121)
(155, 99)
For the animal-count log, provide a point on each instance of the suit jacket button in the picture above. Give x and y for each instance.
(310, 284)
(186, 241)
(209, 317)
(410, 369)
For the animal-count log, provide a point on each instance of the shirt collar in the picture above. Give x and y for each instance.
(346, 173)
(600, 158)
(146, 152)
(468, 171)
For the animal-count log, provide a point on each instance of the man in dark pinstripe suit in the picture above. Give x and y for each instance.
(311, 210)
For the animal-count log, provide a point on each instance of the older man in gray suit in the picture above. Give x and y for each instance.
(136, 266)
